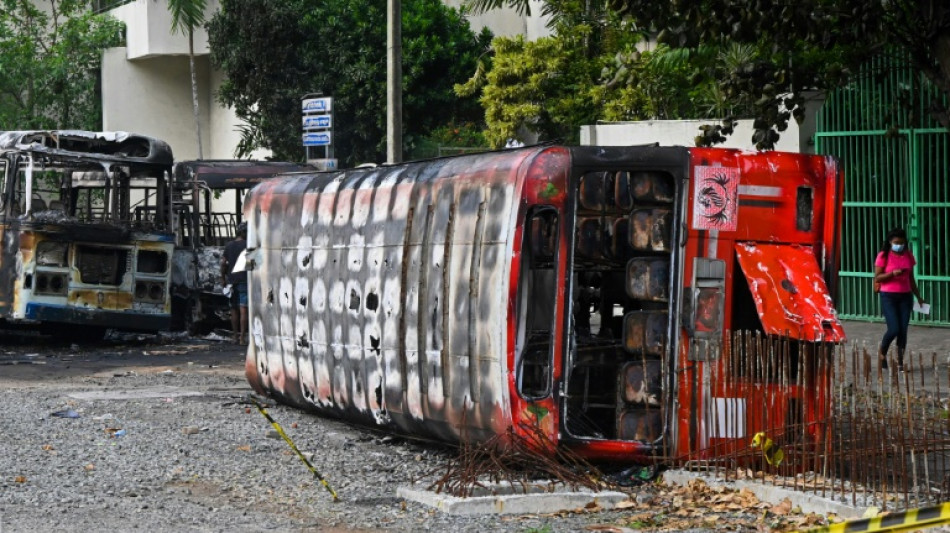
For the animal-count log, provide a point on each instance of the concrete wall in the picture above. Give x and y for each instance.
(683, 133)
(506, 22)
(149, 23)
(153, 97)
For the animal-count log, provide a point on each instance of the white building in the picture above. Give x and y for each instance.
(146, 85)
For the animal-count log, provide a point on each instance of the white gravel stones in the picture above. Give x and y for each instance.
(162, 475)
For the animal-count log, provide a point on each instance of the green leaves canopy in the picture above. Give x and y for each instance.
(50, 55)
(802, 45)
(275, 51)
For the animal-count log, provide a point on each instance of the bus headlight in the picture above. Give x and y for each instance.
(149, 291)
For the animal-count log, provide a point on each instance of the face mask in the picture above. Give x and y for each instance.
(898, 248)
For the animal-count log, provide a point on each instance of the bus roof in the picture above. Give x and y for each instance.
(233, 173)
(117, 146)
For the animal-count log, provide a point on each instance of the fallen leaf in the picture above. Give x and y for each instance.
(626, 504)
(294, 425)
(47, 447)
(609, 528)
(782, 508)
(244, 448)
(20, 479)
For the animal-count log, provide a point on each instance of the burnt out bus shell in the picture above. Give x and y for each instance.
(77, 248)
(209, 205)
(582, 291)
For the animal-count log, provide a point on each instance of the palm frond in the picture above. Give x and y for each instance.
(479, 7)
(187, 15)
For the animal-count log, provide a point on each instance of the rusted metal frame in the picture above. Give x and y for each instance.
(941, 446)
(422, 335)
(364, 373)
(911, 432)
(569, 226)
(446, 290)
(404, 299)
(332, 317)
(473, 284)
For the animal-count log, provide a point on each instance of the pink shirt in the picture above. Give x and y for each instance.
(904, 261)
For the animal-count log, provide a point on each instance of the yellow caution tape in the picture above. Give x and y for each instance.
(772, 453)
(280, 431)
(909, 520)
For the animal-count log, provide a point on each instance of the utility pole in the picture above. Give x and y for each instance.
(393, 81)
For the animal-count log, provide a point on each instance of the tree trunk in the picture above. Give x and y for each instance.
(194, 90)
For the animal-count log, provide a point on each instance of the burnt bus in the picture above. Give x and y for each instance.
(208, 198)
(86, 237)
(585, 292)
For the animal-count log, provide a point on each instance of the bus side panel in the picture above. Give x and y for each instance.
(8, 277)
(379, 295)
(773, 201)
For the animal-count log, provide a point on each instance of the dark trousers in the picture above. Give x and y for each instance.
(896, 307)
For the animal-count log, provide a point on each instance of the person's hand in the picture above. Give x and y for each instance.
(897, 272)
(921, 301)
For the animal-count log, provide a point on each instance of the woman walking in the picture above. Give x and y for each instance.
(894, 277)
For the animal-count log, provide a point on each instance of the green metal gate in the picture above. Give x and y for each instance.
(892, 177)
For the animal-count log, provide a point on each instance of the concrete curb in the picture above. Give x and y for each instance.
(809, 503)
(502, 498)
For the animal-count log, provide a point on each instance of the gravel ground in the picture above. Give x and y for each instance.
(199, 462)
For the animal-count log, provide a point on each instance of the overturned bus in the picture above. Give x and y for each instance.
(586, 292)
(208, 199)
(86, 238)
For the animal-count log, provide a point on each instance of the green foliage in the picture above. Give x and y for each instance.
(716, 58)
(586, 73)
(540, 86)
(186, 15)
(50, 54)
(449, 139)
(787, 48)
(290, 48)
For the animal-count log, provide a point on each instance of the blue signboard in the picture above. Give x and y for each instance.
(318, 105)
(317, 122)
(322, 138)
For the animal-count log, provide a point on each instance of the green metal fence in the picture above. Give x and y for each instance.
(896, 163)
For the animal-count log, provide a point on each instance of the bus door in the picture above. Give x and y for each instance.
(620, 288)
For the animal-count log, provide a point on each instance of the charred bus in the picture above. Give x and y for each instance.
(584, 292)
(86, 240)
(208, 206)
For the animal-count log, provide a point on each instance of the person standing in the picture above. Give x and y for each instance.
(894, 271)
(234, 273)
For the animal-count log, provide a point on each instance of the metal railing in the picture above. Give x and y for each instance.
(877, 436)
(896, 162)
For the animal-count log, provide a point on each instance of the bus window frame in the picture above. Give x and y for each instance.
(523, 341)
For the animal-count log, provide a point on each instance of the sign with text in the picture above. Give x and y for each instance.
(324, 164)
(317, 122)
(322, 138)
(318, 105)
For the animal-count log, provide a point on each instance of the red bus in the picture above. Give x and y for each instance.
(582, 291)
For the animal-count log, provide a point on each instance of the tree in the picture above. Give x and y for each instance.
(50, 55)
(590, 69)
(803, 45)
(186, 16)
(289, 48)
(541, 86)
